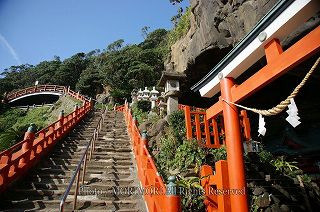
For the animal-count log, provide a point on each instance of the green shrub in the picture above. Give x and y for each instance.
(144, 105)
(165, 158)
(38, 116)
(191, 195)
(189, 153)
(9, 118)
(9, 138)
(176, 122)
(140, 115)
(219, 153)
(265, 156)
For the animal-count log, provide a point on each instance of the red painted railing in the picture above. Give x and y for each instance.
(36, 89)
(150, 179)
(210, 132)
(16, 160)
(214, 182)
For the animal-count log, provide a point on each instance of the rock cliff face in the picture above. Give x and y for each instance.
(217, 26)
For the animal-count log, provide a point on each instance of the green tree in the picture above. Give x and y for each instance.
(115, 46)
(144, 31)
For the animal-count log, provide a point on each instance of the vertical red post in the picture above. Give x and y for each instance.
(187, 116)
(198, 127)
(215, 131)
(234, 148)
(206, 130)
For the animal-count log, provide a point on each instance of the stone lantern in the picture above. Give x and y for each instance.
(140, 94)
(171, 84)
(162, 104)
(146, 93)
(154, 97)
(251, 146)
(134, 96)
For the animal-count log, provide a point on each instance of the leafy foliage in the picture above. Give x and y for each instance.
(9, 138)
(9, 117)
(219, 154)
(165, 158)
(191, 192)
(140, 115)
(144, 105)
(177, 123)
(182, 23)
(283, 166)
(188, 154)
(175, 1)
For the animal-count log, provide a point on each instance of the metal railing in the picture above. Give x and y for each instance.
(83, 161)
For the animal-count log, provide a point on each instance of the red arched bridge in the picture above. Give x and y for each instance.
(55, 90)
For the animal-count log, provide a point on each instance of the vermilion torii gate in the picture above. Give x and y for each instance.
(264, 39)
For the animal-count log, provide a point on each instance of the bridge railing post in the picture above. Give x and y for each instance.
(60, 123)
(26, 146)
(75, 114)
(173, 198)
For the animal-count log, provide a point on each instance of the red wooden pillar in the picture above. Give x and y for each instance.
(234, 148)
(187, 115)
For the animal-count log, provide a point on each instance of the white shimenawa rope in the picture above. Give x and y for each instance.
(284, 104)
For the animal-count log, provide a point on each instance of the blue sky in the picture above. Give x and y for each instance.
(35, 30)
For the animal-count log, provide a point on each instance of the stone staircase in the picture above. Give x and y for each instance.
(109, 174)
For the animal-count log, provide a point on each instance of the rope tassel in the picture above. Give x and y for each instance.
(293, 117)
(262, 129)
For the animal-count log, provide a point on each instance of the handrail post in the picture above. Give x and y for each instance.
(94, 142)
(76, 190)
(143, 142)
(60, 122)
(173, 199)
(133, 124)
(29, 138)
(84, 169)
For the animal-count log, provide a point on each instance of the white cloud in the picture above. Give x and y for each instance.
(14, 54)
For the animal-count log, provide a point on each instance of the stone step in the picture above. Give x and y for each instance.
(123, 205)
(55, 184)
(60, 174)
(102, 162)
(95, 157)
(87, 192)
(104, 155)
(90, 168)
